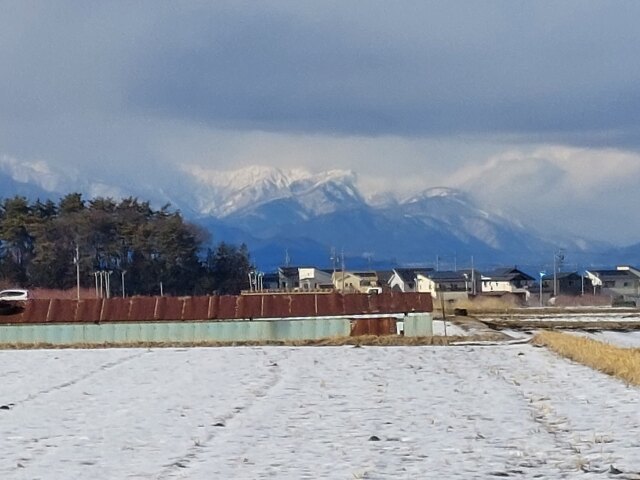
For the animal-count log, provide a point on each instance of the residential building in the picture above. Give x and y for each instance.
(311, 278)
(507, 280)
(404, 279)
(303, 278)
(622, 283)
(566, 283)
(445, 282)
(356, 282)
(288, 278)
(384, 277)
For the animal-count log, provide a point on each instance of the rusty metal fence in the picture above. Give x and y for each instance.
(211, 308)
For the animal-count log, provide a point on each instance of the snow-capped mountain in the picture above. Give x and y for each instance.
(232, 193)
(274, 210)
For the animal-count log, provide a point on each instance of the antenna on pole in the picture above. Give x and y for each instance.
(473, 278)
(333, 259)
(287, 259)
(342, 258)
(558, 260)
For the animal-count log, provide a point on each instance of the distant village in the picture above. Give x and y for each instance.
(617, 287)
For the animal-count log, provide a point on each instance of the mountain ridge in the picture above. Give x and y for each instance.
(269, 208)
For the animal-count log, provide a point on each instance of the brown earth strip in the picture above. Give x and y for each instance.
(524, 324)
(364, 340)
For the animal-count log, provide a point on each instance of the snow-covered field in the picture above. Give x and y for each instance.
(569, 317)
(313, 412)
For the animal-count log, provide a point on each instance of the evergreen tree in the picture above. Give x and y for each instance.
(38, 245)
(230, 267)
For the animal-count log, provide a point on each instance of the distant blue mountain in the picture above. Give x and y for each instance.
(306, 216)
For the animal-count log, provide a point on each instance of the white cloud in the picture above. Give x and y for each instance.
(592, 192)
(36, 172)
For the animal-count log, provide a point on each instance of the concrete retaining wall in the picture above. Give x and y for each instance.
(195, 331)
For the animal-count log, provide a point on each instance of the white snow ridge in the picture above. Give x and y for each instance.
(224, 193)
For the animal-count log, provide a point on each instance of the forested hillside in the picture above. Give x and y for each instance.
(39, 243)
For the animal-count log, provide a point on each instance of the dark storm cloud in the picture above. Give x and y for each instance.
(412, 68)
(563, 71)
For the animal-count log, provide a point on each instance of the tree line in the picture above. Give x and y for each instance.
(147, 250)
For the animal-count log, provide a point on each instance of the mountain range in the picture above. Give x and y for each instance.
(319, 218)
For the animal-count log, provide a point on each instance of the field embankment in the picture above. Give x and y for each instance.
(362, 340)
(623, 363)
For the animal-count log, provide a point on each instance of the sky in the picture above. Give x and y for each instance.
(531, 107)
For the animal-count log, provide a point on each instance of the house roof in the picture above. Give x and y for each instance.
(447, 276)
(384, 275)
(364, 274)
(289, 272)
(270, 277)
(409, 274)
(508, 274)
(561, 275)
(612, 273)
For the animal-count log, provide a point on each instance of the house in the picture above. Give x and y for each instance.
(356, 282)
(404, 279)
(384, 276)
(288, 278)
(311, 278)
(270, 281)
(622, 283)
(445, 282)
(303, 278)
(507, 280)
(566, 283)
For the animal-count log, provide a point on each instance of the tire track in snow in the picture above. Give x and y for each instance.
(570, 449)
(85, 376)
(220, 427)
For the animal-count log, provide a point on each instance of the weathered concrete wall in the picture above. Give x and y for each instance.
(208, 331)
(418, 325)
(183, 332)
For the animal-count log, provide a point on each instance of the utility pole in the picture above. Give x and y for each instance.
(124, 272)
(76, 259)
(558, 259)
(107, 275)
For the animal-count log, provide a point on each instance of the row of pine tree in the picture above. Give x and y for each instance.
(40, 243)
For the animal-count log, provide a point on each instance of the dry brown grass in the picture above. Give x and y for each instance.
(586, 300)
(69, 294)
(364, 340)
(479, 304)
(623, 363)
